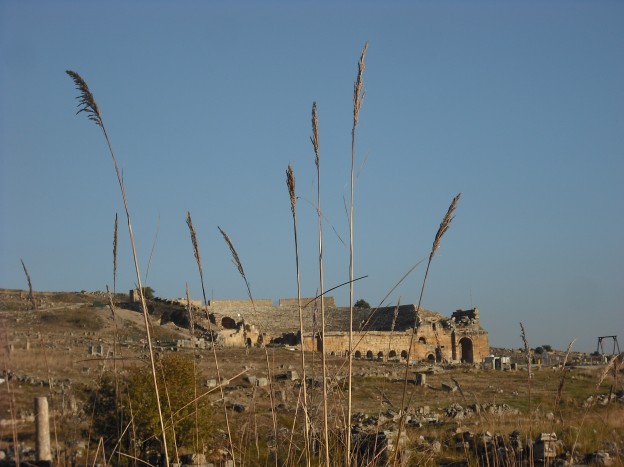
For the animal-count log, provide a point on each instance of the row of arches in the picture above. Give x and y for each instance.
(465, 347)
(370, 355)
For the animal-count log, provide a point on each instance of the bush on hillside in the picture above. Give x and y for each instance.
(112, 413)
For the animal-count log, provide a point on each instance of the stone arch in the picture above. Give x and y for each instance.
(422, 340)
(358, 354)
(431, 358)
(392, 354)
(228, 323)
(404, 354)
(466, 349)
(369, 354)
(380, 355)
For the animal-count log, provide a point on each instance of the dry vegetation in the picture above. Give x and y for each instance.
(91, 354)
(67, 324)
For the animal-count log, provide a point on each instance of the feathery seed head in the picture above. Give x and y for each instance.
(315, 133)
(31, 297)
(235, 259)
(86, 101)
(358, 88)
(290, 182)
(189, 222)
(444, 225)
(527, 349)
(237, 262)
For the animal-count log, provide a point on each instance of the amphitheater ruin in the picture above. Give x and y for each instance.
(378, 334)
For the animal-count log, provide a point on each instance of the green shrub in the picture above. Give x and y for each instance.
(148, 293)
(137, 397)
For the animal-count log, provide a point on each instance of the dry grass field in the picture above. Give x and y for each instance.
(125, 389)
(47, 353)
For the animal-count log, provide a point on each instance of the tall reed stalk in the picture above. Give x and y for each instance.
(189, 222)
(11, 398)
(189, 310)
(88, 105)
(111, 304)
(149, 261)
(290, 183)
(528, 356)
(444, 225)
(617, 363)
(33, 302)
(31, 297)
(115, 242)
(315, 143)
(358, 97)
(563, 370)
(239, 266)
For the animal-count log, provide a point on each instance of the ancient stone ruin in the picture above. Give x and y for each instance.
(379, 334)
(387, 334)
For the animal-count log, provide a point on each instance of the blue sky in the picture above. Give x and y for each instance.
(518, 105)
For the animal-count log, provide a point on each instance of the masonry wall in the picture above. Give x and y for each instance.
(328, 301)
(238, 337)
(382, 334)
(238, 304)
(468, 346)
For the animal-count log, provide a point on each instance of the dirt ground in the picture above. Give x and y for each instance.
(50, 352)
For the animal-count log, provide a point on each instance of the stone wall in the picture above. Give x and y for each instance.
(237, 304)
(385, 345)
(379, 333)
(241, 337)
(328, 301)
(435, 339)
(184, 302)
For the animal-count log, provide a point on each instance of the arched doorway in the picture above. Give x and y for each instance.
(392, 354)
(404, 354)
(358, 354)
(467, 356)
(431, 358)
(369, 355)
(228, 323)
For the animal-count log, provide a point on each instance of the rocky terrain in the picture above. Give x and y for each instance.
(454, 412)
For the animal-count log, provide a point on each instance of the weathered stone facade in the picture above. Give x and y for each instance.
(435, 338)
(385, 333)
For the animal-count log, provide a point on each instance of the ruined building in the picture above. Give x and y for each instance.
(385, 333)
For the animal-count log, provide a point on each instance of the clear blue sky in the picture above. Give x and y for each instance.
(519, 105)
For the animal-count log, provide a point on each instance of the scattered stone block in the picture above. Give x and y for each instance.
(545, 446)
(238, 408)
(449, 387)
(599, 458)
